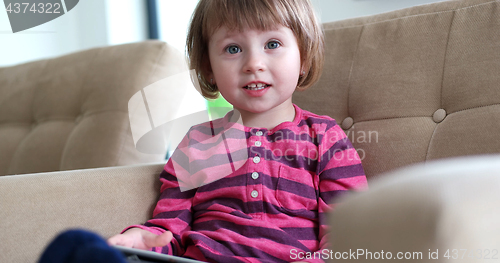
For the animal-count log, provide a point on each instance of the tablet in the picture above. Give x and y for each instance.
(139, 255)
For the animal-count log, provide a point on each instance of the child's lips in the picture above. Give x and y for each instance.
(256, 85)
(256, 91)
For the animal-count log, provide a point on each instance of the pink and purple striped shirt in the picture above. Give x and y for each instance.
(239, 194)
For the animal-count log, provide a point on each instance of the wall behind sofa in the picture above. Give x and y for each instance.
(94, 23)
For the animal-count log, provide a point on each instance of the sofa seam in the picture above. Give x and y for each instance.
(430, 142)
(445, 57)
(394, 118)
(35, 89)
(13, 124)
(452, 20)
(83, 116)
(476, 107)
(81, 101)
(435, 128)
(6, 123)
(355, 55)
(416, 15)
(427, 116)
(46, 64)
(85, 79)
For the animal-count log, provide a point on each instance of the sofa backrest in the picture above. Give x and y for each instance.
(413, 85)
(71, 112)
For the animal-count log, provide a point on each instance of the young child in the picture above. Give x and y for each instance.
(272, 205)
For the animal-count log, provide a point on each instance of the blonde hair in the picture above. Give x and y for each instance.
(298, 15)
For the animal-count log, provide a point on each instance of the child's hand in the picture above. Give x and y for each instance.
(141, 239)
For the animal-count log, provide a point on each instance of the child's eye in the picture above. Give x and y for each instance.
(233, 49)
(272, 44)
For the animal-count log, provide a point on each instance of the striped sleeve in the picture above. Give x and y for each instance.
(173, 211)
(339, 170)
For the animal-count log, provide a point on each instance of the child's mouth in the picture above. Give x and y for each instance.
(256, 86)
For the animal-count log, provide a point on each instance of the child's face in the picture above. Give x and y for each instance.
(268, 61)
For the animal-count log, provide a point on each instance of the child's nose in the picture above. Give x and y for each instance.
(254, 63)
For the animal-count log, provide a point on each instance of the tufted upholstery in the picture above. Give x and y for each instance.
(413, 85)
(71, 112)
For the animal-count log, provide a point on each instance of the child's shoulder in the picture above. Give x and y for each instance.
(314, 120)
(212, 126)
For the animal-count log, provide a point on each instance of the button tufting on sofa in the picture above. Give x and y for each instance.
(71, 112)
(347, 123)
(439, 115)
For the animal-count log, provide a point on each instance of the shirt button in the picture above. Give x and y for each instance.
(259, 133)
(254, 194)
(255, 175)
(258, 143)
(256, 159)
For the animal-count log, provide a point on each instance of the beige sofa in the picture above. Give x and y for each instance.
(407, 86)
(71, 112)
(440, 211)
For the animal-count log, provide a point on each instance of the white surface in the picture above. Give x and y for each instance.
(91, 23)
(173, 19)
(126, 21)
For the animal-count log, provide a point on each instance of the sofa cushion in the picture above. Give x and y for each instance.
(37, 207)
(71, 112)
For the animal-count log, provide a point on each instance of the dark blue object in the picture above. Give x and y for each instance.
(80, 246)
(152, 9)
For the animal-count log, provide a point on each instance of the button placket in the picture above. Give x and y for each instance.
(254, 183)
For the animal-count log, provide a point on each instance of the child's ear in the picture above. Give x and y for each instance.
(206, 70)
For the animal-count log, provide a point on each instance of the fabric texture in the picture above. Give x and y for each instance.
(301, 167)
(71, 112)
(36, 207)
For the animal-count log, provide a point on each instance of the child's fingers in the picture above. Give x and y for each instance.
(120, 240)
(152, 240)
(113, 240)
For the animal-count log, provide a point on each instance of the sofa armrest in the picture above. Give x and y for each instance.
(34, 208)
(423, 212)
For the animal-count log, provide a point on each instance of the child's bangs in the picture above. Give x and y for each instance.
(240, 15)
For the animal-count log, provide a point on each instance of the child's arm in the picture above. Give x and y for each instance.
(171, 216)
(173, 211)
(339, 171)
